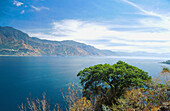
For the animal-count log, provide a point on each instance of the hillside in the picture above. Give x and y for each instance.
(167, 62)
(16, 42)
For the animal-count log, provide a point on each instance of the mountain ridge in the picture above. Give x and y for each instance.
(167, 62)
(16, 42)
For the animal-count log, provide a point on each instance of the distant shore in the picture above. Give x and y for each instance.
(127, 57)
(167, 62)
(21, 55)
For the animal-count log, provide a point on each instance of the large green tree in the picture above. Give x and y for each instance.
(109, 82)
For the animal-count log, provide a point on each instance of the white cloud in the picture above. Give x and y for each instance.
(42, 36)
(39, 8)
(84, 31)
(132, 49)
(17, 3)
(164, 21)
(80, 30)
(22, 11)
(140, 43)
(142, 10)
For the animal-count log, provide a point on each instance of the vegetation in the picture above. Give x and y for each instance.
(167, 62)
(153, 97)
(15, 42)
(37, 105)
(118, 87)
(74, 99)
(109, 82)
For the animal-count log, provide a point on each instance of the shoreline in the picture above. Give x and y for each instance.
(22, 55)
(127, 57)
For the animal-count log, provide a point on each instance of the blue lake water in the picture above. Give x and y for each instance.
(22, 77)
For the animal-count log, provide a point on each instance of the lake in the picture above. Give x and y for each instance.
(22, 77)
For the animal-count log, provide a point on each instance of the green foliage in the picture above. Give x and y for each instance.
(109, 82)
(166, 69)
(152, 97)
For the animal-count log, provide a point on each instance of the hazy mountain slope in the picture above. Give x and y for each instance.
(167, 62)
(16, 42)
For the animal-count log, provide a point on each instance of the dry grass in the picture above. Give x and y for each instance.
(38, 105)
(135, 99)
(73, 98)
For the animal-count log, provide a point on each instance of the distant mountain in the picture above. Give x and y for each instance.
(167, 62)
(144, 54)
(16, 42)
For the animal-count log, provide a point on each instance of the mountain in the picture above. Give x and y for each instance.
(167, 62)
(144, 54)
(16, 42)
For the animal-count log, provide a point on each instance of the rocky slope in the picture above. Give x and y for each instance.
(16, 42)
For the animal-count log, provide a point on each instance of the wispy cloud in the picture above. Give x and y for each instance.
(22, 11)
(157, 40)
(39, 8)
(164, 21)
(43, 36)
(86, 31)
(142, 10)
(17, 3)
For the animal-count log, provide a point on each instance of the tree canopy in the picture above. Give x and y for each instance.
(110, 81)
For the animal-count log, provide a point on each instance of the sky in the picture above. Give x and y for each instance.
(117, 25)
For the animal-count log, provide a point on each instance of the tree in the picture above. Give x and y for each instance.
(153, 97)
(109, 82)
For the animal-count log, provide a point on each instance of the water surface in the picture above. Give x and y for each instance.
(22, 77)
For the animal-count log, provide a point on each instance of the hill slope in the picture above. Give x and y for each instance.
(16, 42)
(167, 62)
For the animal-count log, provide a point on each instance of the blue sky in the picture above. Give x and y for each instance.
(117, 25)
